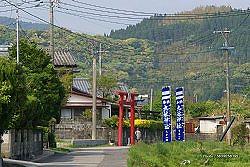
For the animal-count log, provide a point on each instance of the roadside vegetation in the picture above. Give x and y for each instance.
(31, 92)
(189, 153)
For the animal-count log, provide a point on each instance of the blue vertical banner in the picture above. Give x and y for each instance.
(166, 114)
(180, 119)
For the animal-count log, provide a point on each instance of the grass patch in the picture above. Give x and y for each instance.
(64, 144)
(61, 150)
(188, 153)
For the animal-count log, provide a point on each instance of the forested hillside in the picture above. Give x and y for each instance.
(187, 52)
(158, 52)
(10, 22)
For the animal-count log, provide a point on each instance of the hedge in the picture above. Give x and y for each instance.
(140, 123)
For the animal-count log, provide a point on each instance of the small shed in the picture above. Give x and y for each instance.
(210, 124)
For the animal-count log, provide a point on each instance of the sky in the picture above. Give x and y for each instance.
(92, 25)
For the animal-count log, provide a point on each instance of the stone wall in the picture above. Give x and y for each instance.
(148, 135)
(22, 144)
(202, 136)
(69, 131)
(88, 142)
(83, 131)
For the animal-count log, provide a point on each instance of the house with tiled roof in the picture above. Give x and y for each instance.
(77, 111)
(80, 101)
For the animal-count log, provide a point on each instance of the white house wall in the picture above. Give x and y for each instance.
(208, 126)
(80, 101)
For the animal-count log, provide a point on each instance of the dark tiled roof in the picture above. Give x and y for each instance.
(122, 87)
(62, 58)
(82, 85)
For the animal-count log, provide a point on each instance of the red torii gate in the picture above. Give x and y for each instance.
(129, 100)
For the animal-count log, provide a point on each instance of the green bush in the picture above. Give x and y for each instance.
(52, 140)
(111, 122)
(239, 133)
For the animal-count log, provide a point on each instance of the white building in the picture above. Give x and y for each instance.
(210, 124)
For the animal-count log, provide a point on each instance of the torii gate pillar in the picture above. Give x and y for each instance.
(120, 119)
(132, 118)
(130, 99)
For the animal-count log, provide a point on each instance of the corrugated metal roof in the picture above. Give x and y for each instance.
(62, 58)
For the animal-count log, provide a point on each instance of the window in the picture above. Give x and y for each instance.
(66, 113)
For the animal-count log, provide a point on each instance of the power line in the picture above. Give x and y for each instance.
(159, 17)
(104, 11)
(91, 40)
(102, 15)
(212, 36)
(146, 13)
(64, 29)
(92, 18)
(10, 10)
(109, 8)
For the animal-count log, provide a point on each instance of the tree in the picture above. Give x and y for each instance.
(45, 92)
(240, 132)
(106, 83)
(157, 105)
(12, 94)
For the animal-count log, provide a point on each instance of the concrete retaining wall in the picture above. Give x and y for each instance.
(22, 144)
(88, 142)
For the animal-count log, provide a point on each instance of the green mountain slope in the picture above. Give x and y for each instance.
(186, 54)
(10, 22)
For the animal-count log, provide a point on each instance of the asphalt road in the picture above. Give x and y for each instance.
(89, 157)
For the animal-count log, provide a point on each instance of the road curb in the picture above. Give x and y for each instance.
(46, 154)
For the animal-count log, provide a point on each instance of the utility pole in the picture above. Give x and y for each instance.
(151, 99)
(226, 48)
(100, 59)
(17, 35)
(94, 98)
(51, 19)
